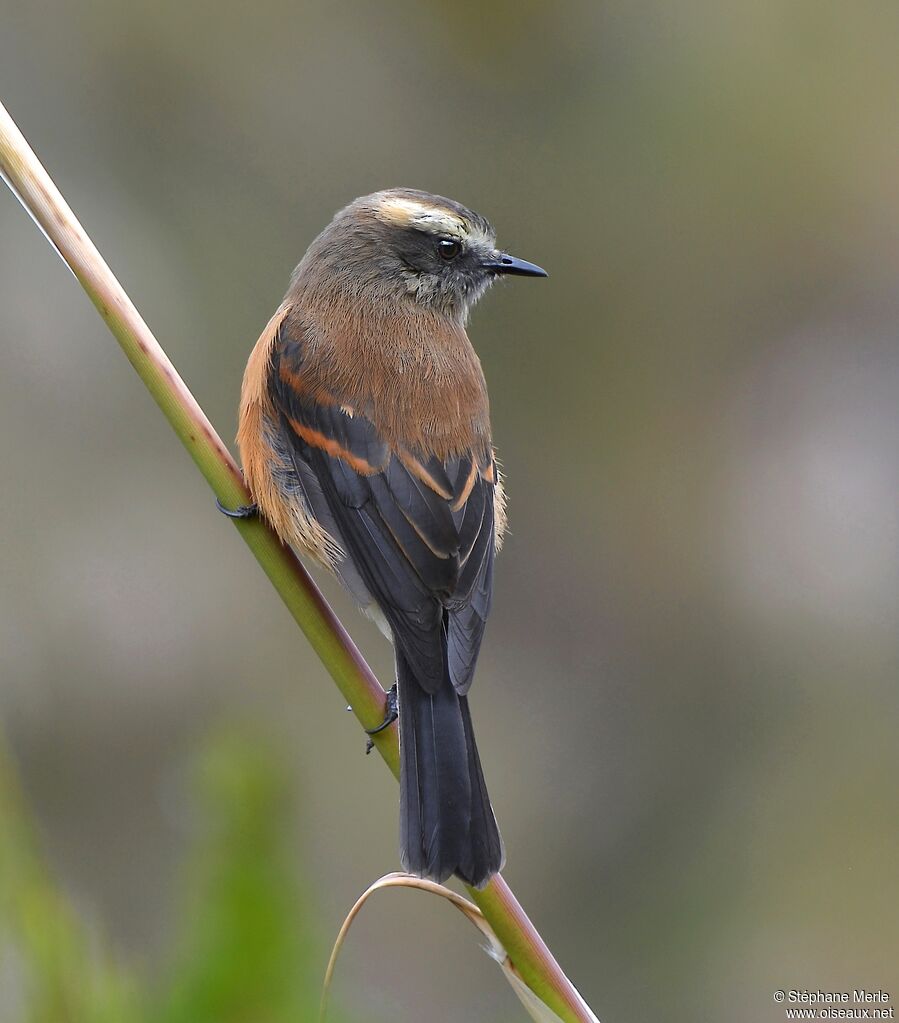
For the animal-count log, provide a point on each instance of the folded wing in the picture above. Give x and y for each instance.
(418, 531)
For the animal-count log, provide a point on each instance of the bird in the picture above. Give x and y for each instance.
(365, 440)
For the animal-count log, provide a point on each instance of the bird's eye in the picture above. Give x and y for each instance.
(448, 248)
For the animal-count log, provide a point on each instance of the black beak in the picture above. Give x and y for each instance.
(503, 263)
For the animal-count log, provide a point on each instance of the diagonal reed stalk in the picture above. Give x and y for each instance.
(34, 188)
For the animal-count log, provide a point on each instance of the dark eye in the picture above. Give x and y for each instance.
(448, 248)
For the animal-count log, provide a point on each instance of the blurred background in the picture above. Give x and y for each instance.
(687, 703)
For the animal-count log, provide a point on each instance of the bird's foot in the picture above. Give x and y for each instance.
(390, 715)
(243, 511)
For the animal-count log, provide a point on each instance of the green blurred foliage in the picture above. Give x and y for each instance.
(245, 950)
(56, 970)
(249, 952)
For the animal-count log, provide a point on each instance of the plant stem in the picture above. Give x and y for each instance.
(360, 688)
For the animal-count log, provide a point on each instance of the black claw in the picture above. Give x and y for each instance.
(390, 715)
(243, 511)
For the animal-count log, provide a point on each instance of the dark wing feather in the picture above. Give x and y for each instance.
(470, 606)
(419, 532)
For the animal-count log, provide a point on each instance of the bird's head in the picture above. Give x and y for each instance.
(404, 244)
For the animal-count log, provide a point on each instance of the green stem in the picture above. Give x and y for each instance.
(35, 190)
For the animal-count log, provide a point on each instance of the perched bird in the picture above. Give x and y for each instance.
(365, 441)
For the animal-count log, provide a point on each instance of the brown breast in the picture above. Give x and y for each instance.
(414, 375)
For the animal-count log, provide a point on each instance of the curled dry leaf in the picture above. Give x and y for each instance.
(536, 1008)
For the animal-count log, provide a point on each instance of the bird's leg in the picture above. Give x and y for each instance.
(391, 713)
(242, 511)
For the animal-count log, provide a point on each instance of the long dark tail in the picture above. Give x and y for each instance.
(446, 821)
